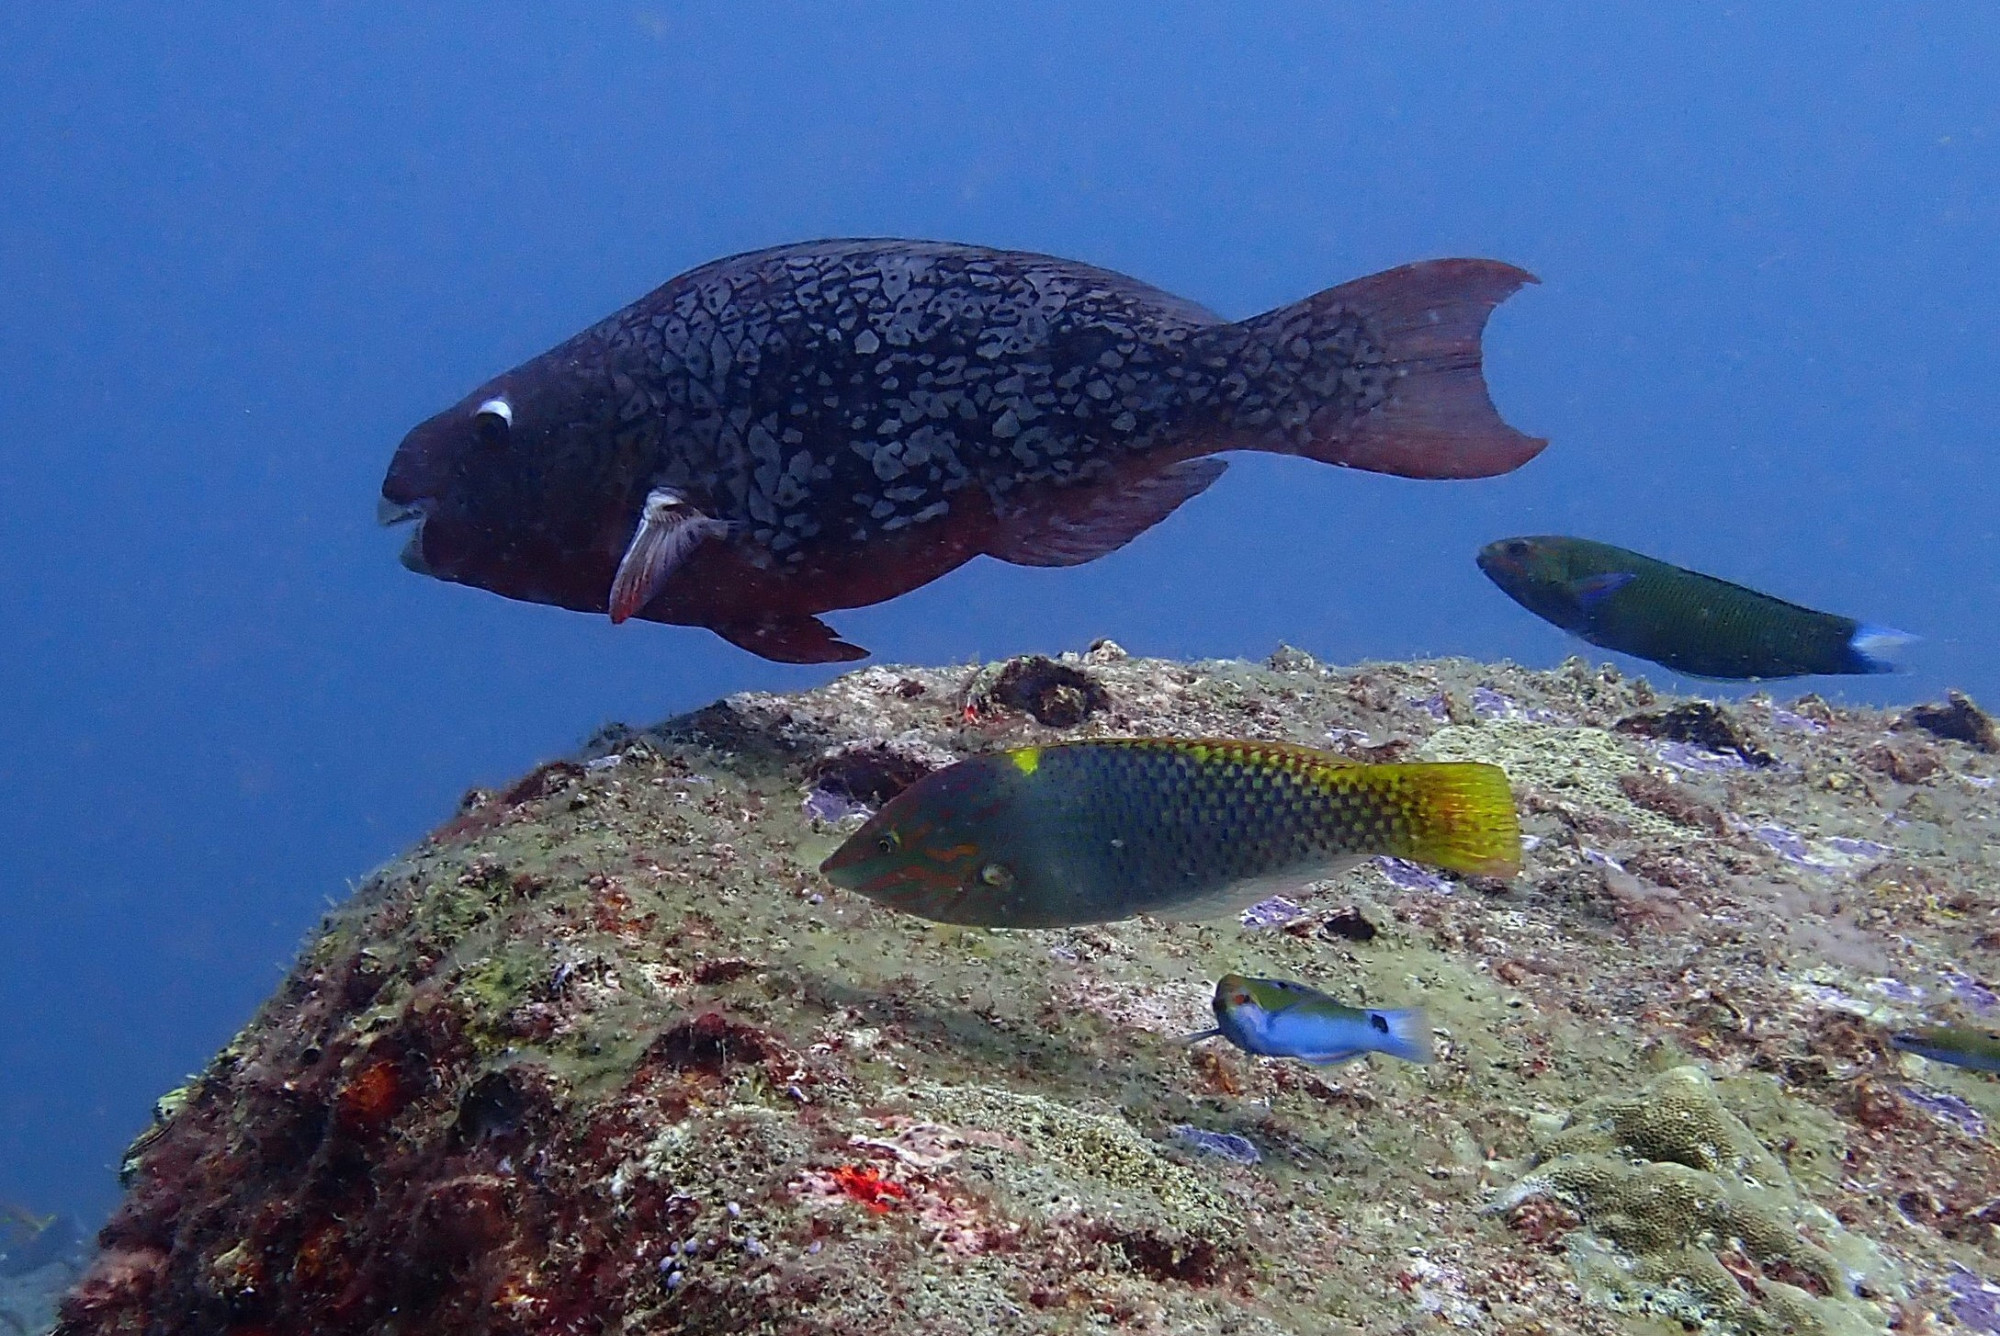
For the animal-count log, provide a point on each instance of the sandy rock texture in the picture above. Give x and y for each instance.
(605, 1054)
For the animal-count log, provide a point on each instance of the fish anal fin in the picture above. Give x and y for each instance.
(1333, 1059)
(669, 529)
(1084, 523)
(797, 638)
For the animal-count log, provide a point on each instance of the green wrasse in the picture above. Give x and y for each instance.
(1092, 832)
(1977, 1049)
(1277, 1018)
(1679, 619)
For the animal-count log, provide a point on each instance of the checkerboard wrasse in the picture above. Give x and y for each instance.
(1094, 832)
(830, 424)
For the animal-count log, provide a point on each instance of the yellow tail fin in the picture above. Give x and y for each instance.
(1461, 816)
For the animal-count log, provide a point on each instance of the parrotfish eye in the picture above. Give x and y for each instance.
(492, 420)
(889, 843)
(997, 875)
(1239, 998)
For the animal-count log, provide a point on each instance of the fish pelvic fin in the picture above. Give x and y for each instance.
(1382, 374)
(1875, 647)
(1081, 523)
(669, 529)
(1459, 815)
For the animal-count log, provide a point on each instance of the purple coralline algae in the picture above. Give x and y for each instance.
(832, 808)
(1946, 1108)
(1221, 1145)
(1898, 991)
(1970, 991)
(1273, 912)
(1783, 718)
(1687, 756)
(1407, 876)
(1975, 1302)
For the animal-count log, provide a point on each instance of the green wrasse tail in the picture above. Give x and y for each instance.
(1461, 816)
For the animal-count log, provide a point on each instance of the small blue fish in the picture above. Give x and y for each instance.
(1977, 1049)
(1277, 1018)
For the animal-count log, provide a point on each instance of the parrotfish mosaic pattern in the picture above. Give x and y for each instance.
(1092, 832)
(829, 424)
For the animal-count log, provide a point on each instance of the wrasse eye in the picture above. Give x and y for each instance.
(997, 875)
(1238, 999)
(492, 421)
(889, 843)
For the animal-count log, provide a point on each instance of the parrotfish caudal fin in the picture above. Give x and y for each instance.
(1385, 371)
(1461, 817)
(1877, 646)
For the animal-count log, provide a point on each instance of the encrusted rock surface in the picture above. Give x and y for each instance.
(604, 1053)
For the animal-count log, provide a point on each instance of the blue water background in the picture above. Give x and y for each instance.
(244, 248)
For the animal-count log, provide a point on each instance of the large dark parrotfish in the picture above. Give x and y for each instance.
(829, 424)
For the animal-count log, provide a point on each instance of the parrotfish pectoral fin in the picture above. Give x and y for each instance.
(1594, 589)
(668, 530)
(1433, 419)
(1877, 646)
(1200, 1035)
(1080, 524)
(794, 639)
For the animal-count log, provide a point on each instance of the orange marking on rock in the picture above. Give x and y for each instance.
(865, 1184)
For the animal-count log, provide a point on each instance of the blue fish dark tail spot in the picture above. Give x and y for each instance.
(1875, 647)
(1402, 1034)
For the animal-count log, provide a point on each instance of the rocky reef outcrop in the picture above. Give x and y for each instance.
(604, 1053)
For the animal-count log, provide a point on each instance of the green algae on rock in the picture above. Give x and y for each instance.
(605, 1054)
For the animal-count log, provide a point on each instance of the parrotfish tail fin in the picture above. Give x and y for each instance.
(1875, 647)
(1380, 374)
(1460, 817)
(1409, 1036)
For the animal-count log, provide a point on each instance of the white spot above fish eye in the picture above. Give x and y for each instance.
(498, 408)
